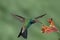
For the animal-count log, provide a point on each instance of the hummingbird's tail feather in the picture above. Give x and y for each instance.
(24, 34)
(20, 33)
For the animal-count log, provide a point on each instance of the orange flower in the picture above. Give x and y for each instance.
(50, 28)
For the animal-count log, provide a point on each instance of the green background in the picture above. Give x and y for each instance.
(10, 27)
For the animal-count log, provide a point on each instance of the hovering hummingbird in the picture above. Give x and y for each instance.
(50, 28)
(26, 24)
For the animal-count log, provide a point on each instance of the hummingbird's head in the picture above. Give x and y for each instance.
(33, 21)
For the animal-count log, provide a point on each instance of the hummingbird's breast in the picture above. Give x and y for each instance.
(28, 23)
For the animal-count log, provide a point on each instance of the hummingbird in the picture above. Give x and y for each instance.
(26, 24)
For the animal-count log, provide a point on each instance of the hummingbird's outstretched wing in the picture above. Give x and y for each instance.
(22, 19)
(35, 19)
(40, 16)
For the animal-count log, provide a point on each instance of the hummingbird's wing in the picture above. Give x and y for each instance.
(35, 19)
(22, 19)
(40, 16)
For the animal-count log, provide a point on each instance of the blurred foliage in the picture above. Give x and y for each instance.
(10, 27)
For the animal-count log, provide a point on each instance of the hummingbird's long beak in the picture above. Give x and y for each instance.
(37, 21)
